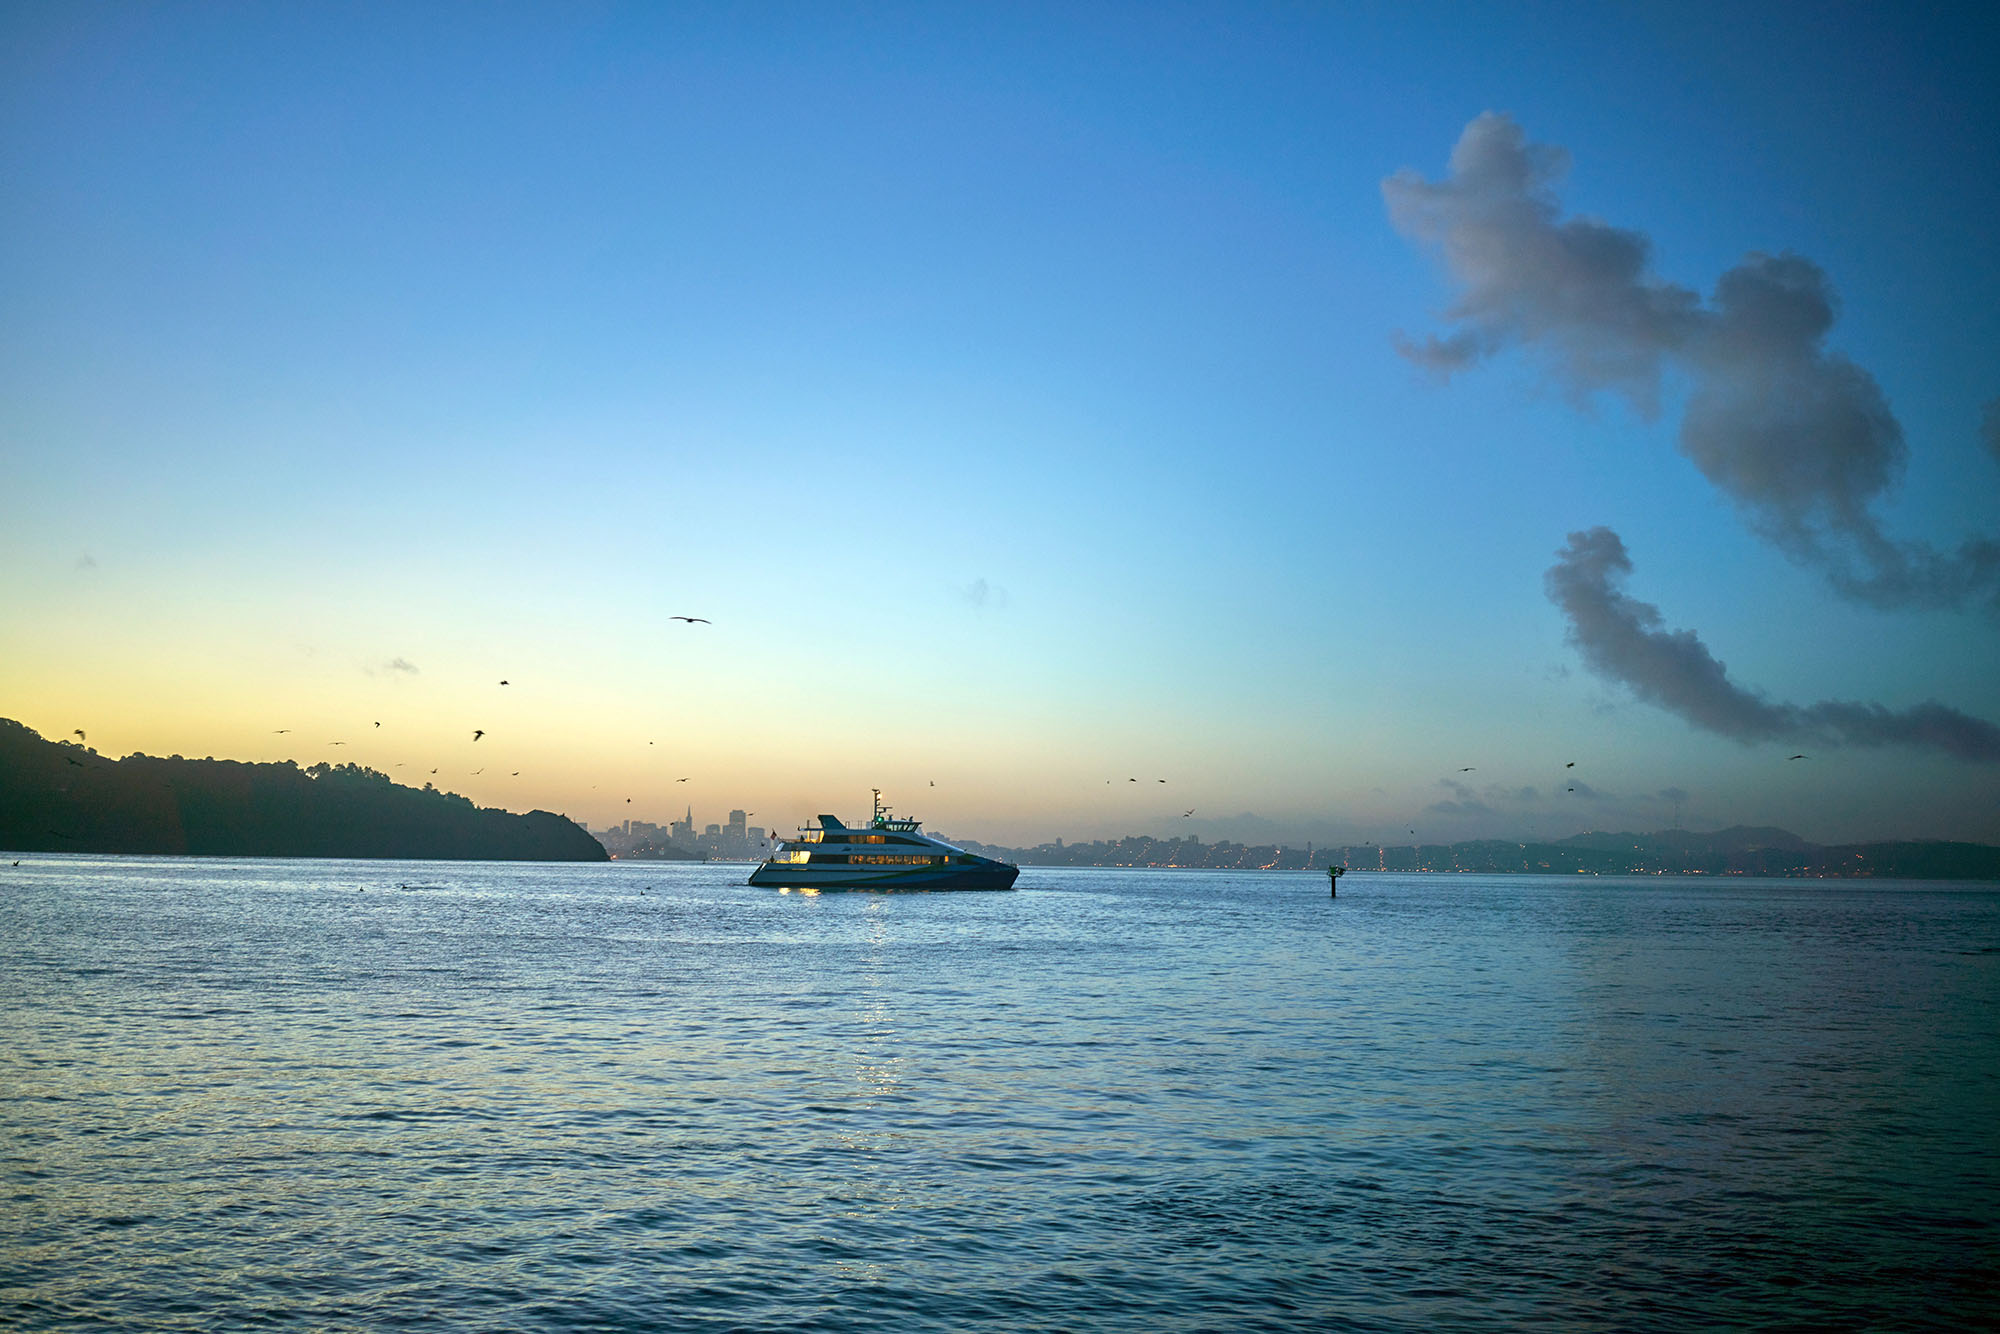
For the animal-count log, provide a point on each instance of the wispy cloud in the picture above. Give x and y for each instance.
(979, 594)
(1622, 640)
(1799, 438)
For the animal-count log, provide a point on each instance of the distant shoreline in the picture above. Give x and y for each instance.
(1735, 853)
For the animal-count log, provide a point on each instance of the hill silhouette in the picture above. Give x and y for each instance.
(57, 796)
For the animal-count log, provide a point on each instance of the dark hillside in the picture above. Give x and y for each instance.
(59, 797)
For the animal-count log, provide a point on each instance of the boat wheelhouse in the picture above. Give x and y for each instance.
(889, 853)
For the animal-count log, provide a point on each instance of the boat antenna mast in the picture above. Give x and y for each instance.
(880, 814)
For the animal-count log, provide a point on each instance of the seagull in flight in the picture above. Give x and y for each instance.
(680, 780)
(1186, 814)
(478, 732)
(336, 743)
(480, 770)
(378, 724)
(1470, 768)
(692, 620)
(281, 731)
(1797, 757)
(1570, 765)
(80, 736)
(503, 683)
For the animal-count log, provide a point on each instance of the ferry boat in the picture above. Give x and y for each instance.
(889, 853)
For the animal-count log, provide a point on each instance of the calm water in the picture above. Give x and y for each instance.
(375, 1095)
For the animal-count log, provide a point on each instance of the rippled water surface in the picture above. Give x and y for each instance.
(479, 1096)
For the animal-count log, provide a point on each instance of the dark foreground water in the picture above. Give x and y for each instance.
(383, 1095)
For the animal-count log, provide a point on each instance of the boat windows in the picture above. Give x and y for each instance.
(876, 859)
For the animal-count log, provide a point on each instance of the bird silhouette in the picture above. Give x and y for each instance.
(680, 780)
(281, 731)
(433, 771)
(1131, 780)
(1570, 765)
(73, 760)
(1797, 757)
(1186, 814)
(692, 620)
(515, 774)
(480, 770)
(1163, 780)
(378, 724)
(336, 743)
(1468, 769)
(80, 736)
(933, 782)
(478, 732)
(1572, 789)
(503, 683)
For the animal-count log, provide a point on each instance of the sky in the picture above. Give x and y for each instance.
(1399, 422)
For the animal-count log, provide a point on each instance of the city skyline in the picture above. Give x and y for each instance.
(1354, 418)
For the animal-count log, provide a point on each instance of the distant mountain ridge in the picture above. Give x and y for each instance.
(57, 796)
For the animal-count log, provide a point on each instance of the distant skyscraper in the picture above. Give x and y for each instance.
(736, 819)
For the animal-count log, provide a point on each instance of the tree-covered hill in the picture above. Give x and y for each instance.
(56, 796)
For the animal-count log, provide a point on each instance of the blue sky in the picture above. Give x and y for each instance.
(486, 340)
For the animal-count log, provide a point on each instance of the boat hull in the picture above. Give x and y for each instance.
(827, 880)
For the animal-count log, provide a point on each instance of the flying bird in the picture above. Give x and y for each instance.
(478, 732)
(1570, 765)
(480, 770)
(1186, 814)
(433, 771)
(336, 743)
(1572, 789)
(680, 780)
(1131, 780)
(1163, 780)
(1468, 769)
(503, 683)
(378, 724)
(281, 731)
(692, 620)
(515, 774)
(1797, 757)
